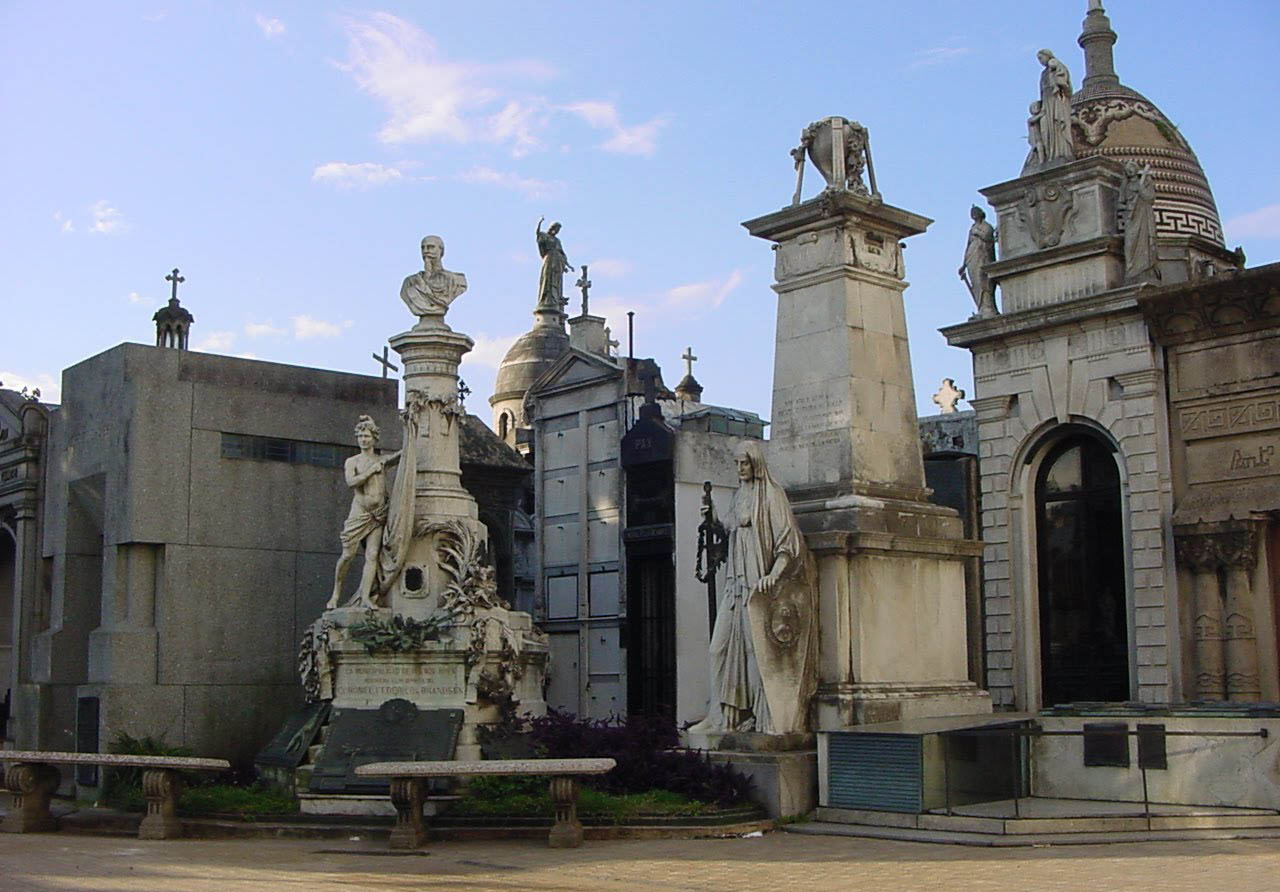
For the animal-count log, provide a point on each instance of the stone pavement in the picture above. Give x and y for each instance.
(775, 861)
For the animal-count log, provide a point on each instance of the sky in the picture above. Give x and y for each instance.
(289, 157)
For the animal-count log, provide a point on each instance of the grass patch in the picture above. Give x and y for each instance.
(213, 799)
(530, 797)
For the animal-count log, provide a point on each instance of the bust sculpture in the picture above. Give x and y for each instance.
(429, 293)
(763, 644)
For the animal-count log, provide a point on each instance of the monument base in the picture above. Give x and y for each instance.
(843, 705)
(786, 783)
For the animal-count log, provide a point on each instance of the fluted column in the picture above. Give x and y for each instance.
(1239, 636)
(1196, 552)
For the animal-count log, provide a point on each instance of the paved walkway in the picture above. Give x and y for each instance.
(772, 862)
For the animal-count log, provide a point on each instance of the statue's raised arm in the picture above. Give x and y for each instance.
(554, 265)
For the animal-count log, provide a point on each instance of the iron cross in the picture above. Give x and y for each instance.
(463, 392)
(386, 363)
(584, 283)
(689, 360)
(175, 279)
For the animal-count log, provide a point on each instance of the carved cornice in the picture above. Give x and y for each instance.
(1211, 546)
(1227, 304)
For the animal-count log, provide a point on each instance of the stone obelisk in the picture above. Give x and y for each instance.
(845, 446)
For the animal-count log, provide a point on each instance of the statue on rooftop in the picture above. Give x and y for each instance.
(429, 293)
(1137, 202)
(764, 642)
(1055, 109)
(554, 265)
(979, 251)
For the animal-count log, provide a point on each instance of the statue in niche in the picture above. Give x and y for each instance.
(1137, 204)
(368, 515)
(554, 265)
(1055, 109)
(429, 293)
(979, 251)
(764, 641)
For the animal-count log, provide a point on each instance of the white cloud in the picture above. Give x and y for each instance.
(681, 303)
(530, 187)
(305, 327)
(345, 175)
(609, 267)
(215, 342)
(50, 388)
(636, 139)
(489, 351)
(136, 298)
(1262, 223)
(262, 330)
(938, 55)
(269, 27)
(431, 98)
(106, 219)
(67, 225)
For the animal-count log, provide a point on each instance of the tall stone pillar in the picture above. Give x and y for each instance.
(846, 447)
(1240, 640)
(431, 355)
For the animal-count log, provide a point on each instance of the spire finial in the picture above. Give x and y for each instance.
(1097, 39)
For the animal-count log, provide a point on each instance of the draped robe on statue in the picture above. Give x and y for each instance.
(763, 646)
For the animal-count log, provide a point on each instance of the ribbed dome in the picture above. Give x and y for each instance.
(1118, 122)
(533, 353)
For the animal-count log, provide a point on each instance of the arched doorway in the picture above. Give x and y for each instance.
(1084, 642)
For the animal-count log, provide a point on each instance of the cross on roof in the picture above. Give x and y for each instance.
(689, 360)
(463, 392)
(175, 279)
(947, 396)
(584, 283)
(386, 363)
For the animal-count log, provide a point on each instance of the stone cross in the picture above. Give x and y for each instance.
(386, 363)
(648, 375)
(947, 396)
(463, 392)
(584, 283)
(689, 360)
(175, 279)
(609, 342)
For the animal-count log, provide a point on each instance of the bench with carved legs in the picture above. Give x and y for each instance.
(31, 777)
(409, 787)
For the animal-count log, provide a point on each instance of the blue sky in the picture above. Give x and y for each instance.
(288, 157)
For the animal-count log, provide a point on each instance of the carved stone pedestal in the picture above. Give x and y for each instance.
(161, 788)
(30, 787)
(408, 795)
(566, 833)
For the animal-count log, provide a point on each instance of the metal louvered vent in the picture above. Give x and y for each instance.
(880, 772)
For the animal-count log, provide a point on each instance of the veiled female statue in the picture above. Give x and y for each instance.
(764, 643)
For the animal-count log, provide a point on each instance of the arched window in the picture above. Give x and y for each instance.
(1084, 644)
(504, 425)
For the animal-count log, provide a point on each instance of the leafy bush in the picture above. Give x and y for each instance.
(644, 749)
(530, 797)
(122, 787)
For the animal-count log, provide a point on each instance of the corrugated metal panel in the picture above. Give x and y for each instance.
(882, 772)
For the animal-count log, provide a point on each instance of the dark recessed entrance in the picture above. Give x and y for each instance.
(1084, 644)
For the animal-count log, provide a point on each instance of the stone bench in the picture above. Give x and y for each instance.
(31, 777)
(409, 786)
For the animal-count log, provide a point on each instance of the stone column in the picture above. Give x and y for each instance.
(846, 446)
(1239, 638)
(431, 355)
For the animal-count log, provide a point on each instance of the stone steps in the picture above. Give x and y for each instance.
(957, 837)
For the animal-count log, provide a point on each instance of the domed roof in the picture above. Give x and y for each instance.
(1118, 122)
(533, 353)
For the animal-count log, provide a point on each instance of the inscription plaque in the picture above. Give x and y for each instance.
(365, 684)
(397, 731)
